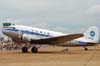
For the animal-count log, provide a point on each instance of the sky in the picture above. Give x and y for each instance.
(68, 16)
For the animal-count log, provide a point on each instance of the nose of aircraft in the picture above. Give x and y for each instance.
(10, 33)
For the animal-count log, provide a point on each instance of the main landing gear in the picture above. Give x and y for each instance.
(24, 49)
(33, 49)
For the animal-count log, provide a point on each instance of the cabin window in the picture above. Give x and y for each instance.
(13, 27)
(41, 32)
(48, 33)
(36, 32)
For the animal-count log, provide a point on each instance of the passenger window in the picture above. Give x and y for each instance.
(44, 33)
(36, 31)
(41, 32)
(48, 33)
(13, 27)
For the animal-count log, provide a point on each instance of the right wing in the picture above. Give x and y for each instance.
(56, 40)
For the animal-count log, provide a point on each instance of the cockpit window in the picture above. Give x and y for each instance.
(6, 24)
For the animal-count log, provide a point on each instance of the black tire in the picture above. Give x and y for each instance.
(24, 49)
(86, 49)
(34, 50)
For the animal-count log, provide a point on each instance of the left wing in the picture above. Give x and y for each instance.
(56, 40)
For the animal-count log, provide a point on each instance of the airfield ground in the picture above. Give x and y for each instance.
(52, 56)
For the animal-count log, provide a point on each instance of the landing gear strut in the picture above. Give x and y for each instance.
(34, 49)
(24, 49)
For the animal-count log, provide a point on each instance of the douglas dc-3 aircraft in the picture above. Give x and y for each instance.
(37, 37)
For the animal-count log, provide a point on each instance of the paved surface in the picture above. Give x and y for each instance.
(52, 56)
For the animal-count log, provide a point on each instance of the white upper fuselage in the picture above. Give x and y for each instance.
(32, 33)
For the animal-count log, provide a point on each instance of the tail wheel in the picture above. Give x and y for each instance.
(24, 49)
(85, 49)
(34, 50)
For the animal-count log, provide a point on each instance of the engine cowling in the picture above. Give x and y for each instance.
(26, 37)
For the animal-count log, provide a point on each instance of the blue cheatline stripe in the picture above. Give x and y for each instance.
(27, 32)
(82, 43)
(11, 30)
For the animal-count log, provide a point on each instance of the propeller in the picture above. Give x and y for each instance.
(21, 35)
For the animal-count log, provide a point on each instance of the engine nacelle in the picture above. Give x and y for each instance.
(25, 37)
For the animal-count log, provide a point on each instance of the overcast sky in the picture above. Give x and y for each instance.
(68, 16)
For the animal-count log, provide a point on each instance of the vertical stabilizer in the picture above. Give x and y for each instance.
(92, 34)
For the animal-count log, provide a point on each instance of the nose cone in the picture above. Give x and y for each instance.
(10, 34)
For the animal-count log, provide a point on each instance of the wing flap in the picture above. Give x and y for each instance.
(56, 40)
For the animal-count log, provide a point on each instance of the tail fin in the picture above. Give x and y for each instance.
(92, 34)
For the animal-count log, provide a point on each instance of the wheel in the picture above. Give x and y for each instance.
(24, 49)
(34, 50)
(86, 49)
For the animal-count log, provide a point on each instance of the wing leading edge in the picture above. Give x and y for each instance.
(56, 40)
